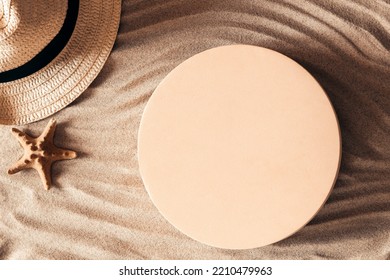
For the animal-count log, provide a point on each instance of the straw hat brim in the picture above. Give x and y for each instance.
(53, 87)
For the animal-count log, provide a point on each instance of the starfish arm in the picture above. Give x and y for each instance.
(18, 166)
(40, 153)
(44, 172)
(48, 134)
(22, 137)
(65, 154)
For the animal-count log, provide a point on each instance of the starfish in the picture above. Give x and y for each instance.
(40, 153)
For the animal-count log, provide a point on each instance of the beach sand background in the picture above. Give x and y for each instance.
(99, 208)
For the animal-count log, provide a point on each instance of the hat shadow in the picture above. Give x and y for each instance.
(107, 73)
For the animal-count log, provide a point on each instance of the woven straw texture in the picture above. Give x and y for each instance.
(28, 28)
(55, 86)
(99, 208)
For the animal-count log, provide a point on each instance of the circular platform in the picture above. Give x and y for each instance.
(239, 147)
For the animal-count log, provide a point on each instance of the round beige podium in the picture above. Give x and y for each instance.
(239, 147)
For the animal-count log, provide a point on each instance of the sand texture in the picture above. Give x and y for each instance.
(98, 207)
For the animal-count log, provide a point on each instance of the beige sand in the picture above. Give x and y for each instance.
(98, 207)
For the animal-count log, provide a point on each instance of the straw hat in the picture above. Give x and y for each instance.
(50, 52)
